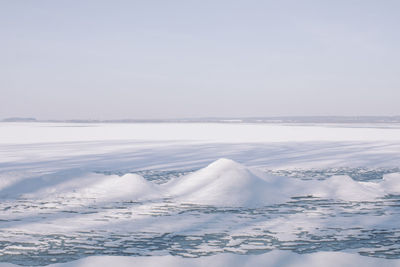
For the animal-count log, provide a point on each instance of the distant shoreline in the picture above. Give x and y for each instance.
(283, 119)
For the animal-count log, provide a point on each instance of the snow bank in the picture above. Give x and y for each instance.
(273, 258)
(85, 186)
(345, 188)
(222, 183)
(227, 183)
(391, 183)
(126, 187)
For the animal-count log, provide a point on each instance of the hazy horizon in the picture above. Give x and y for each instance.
(269, 119)
(123, 59)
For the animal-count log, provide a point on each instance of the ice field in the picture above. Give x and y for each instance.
(178, 194)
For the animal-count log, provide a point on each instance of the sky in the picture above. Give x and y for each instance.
(127, 59)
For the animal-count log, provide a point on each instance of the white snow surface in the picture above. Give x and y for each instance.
(225, 182)
(275, 258)
(221, 183)
(195, 190)
(99, 186)
(28, 133)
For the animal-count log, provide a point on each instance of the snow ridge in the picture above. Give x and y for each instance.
(222, 183)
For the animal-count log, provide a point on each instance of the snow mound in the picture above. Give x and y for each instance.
(228, 183)
(391, 183)
(345, 188)
(126, 187)
(224, 182)
(101, 187)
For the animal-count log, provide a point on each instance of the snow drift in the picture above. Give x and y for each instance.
(222, 183)
(85, 186)
(225, 182)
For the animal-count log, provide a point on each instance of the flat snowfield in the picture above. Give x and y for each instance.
(199, 194)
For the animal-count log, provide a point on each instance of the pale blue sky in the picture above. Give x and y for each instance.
(115, 59)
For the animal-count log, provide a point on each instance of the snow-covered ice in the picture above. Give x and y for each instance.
(275, 258)
(214, 192)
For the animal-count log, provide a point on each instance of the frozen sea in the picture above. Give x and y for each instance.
(93, 194)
